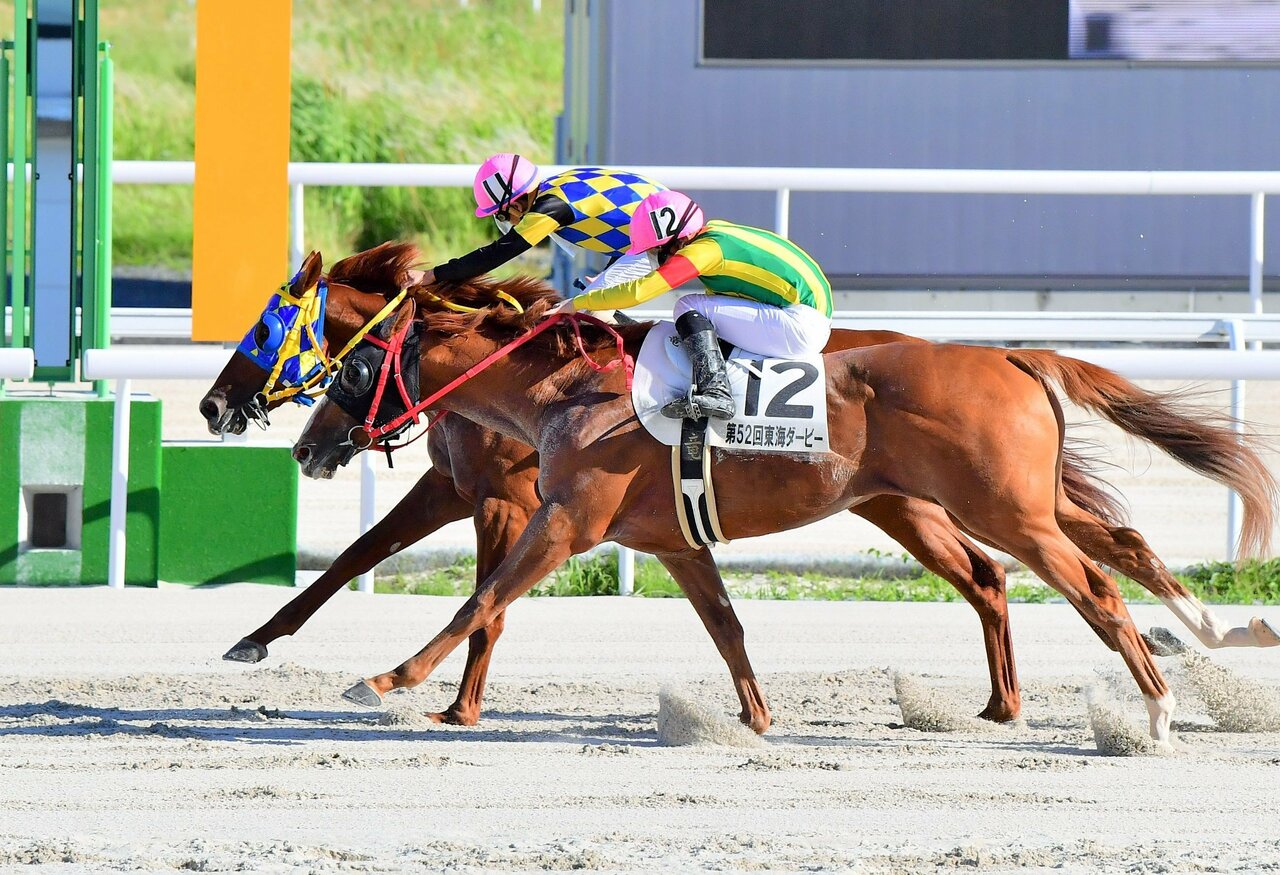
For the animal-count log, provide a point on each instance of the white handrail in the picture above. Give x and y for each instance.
(842, 179)
(16, 364)
(155, 363)
(783, 180)
(982, 325)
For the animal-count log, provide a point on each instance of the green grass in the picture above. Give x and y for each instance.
(392, 81)
(1219, 583)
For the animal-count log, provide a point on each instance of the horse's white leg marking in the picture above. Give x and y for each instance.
(1161, 713)
(1213, 632)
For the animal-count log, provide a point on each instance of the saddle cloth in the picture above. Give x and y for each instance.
(782, 403)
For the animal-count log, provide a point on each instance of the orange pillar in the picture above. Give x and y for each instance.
(241, 221)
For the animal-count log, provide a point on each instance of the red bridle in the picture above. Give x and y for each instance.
(393, 347)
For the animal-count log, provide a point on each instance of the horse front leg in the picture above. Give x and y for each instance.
(431, 503)
(553, 535)
(699, 578)
(499, 523)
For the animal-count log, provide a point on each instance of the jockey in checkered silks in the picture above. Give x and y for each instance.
(586, 209)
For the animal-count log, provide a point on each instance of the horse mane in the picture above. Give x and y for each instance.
(383, 269)
(498, 320)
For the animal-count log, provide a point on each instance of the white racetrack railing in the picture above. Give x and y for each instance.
(783, 180)
(17, 364)
(1235, 363)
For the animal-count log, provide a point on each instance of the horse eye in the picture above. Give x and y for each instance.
(261, 334)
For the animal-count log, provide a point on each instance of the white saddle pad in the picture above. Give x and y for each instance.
(782, 403)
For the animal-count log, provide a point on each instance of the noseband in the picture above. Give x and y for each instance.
(378, 386)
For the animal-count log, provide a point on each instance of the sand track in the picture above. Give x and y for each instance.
(125, 742)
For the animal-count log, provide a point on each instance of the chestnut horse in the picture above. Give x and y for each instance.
(490, 477)
(907, 419)
(480, 473)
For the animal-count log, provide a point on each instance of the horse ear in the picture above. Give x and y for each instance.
(308, 274)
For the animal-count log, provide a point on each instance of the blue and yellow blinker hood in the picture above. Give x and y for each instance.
(288, 342)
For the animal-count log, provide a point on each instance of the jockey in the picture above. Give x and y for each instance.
(763, 293)
(584, 209)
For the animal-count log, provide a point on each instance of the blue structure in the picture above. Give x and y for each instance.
(640, 91)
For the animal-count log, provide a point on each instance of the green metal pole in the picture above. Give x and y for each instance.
(21, 32)
(4, 174)
(102, 284)
(4, 151)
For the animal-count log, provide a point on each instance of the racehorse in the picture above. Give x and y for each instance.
(481, 473)
(908, 420)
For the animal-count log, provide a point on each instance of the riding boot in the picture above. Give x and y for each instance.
(710, 395)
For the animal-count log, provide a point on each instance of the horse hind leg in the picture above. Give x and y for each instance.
(927, 533)
(1125, 550)
(1046, 550)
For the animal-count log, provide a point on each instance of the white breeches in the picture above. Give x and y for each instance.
(773, 331)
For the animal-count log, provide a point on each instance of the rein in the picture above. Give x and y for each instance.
(391, 367)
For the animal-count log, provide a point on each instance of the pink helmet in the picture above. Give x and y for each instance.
(663, 216)
(500, 180)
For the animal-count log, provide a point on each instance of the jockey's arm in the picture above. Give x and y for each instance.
(697, 259)
(547, 215)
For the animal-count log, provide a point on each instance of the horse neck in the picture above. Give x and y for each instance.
(510, 396)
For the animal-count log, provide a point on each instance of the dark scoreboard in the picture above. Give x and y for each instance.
(977, 31)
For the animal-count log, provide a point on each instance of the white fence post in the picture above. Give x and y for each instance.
(119, 486)
(1257, 248)
(297, 225)
(1235, 509)
(368, 496)
(782, 212)
(626, 570)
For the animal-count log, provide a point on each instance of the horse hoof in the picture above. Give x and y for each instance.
(999, 713)
(246, 651)
(1161, 642)
(1264, 633)
(363, 694)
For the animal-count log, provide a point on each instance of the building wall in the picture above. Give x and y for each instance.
(661, 107)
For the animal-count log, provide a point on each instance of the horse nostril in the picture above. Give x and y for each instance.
(302, 453)
(211, 409)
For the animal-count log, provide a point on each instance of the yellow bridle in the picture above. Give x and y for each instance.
(315, 385)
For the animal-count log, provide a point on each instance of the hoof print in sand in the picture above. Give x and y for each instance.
(928, 710)
(1236, 704)
(1115, 736)
(405, 718)
(682, 722)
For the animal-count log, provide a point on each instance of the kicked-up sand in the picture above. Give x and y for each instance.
(126, 743)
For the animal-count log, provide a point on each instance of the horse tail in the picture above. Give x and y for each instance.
(1203, 441)
(1085, 488)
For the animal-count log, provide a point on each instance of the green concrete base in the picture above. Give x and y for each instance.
(62, 444)
(229, 514)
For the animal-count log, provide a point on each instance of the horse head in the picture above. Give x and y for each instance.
(287, 354)
(375, 389)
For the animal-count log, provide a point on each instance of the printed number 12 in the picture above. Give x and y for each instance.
(753, 388)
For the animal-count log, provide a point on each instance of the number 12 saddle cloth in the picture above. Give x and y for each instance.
(781, 404)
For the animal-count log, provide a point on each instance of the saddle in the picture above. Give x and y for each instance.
(782, 408)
